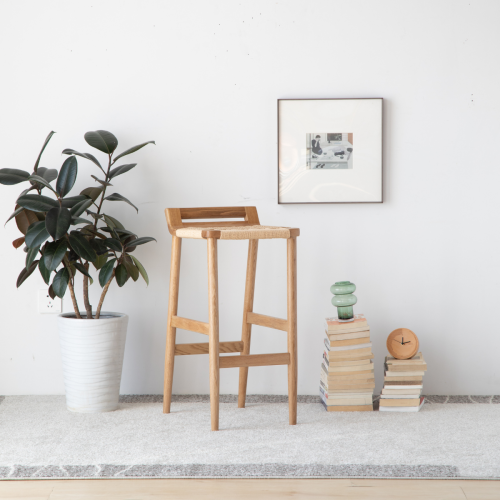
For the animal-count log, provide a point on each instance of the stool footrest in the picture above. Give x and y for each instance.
(183, 349)
(190, 324)
(269, 321)
(254, 360)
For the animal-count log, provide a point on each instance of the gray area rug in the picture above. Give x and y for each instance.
(451, 437)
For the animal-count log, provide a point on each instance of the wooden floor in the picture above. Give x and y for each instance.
(262, 489)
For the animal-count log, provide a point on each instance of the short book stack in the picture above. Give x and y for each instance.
(403, 383)
(347, 377)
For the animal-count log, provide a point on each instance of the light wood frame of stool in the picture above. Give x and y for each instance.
(175, 217)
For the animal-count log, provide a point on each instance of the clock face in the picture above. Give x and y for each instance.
(402, 343)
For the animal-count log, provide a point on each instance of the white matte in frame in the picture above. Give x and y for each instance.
(298, 182)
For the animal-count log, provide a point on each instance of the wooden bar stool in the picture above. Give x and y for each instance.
(247, 229)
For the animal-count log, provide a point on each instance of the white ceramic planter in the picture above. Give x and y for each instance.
(92, 357)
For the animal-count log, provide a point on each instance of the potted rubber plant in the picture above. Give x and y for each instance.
(63, 235)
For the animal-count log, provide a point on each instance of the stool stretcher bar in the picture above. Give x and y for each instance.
(203, 348)
(269, 321)
(190, 325)
(254, 360)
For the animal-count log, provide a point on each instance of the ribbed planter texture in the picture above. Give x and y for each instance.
(92, 356)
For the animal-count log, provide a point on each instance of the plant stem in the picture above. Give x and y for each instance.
(71, 283)
(103, 294)
(73, 298)
(88, 307)
(103, 192)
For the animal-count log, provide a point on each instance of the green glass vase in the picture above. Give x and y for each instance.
(344, 299)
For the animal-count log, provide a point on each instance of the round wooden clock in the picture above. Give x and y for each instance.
(402, 343)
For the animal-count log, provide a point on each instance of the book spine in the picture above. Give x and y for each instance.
(350, 347)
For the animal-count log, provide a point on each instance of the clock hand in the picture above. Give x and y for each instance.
(397, 341)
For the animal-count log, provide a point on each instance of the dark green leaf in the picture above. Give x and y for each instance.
(17, 211)
(113, 244)
(57, 222)
(112, 222)
(92, 192)
(49, 174)
(53, 254)
(88, 156)
(134, 149)
(40, 180)
(60, 282)
(125, 232)
(36, 235)
(104, 183)
(71, 201)
(121, 170)
(127, 242)
(67, 176)
(100, 261)
(131, 269)
(109, 230)
(143, 272)
(72, 256)
(47, 139)
(11, 176)
(51, 293)
(37, 202)
(80, 207)
(43, 269)
(119, 197)
(121, 275)
(99, 246)
(81, 246)
(94, 215)
(90, 230)
(30, 256)
(106, 272)
(82, 269)
(26, 191)
(79, 220)
(26, 273)
(102, 140)
(140, 241)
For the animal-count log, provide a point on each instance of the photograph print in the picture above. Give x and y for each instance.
(330, 150)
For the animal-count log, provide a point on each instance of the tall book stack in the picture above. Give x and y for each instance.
(403, 383)
(347, 378)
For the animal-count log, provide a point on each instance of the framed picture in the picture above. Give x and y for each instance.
(330, 150)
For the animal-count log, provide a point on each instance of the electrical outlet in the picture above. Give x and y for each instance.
(48, 305)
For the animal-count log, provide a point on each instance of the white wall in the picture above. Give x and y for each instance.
(426, 259)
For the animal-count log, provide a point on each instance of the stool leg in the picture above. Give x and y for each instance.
(172, 311)
(247, 327)
(292, 327)
(213, 331)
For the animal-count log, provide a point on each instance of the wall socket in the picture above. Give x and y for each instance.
(48, 305)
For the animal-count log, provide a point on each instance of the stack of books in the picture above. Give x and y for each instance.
(403, 384)
(347, 378)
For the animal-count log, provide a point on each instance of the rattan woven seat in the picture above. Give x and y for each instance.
(181, 226)
(236, 232)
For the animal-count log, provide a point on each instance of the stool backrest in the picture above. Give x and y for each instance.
(177, 216)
